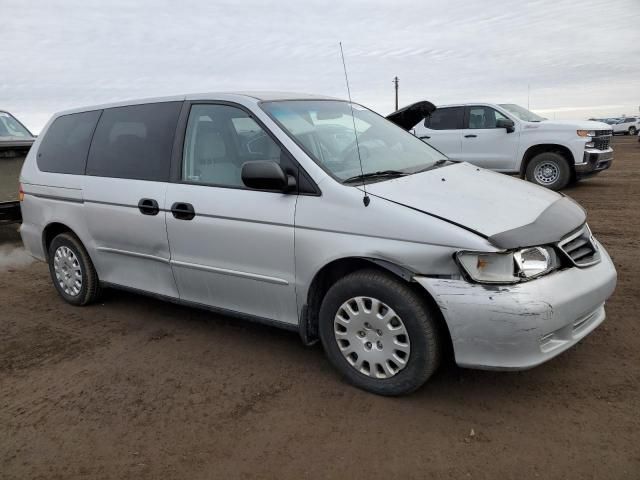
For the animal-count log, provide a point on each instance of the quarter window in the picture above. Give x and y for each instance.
(134, 142)
(219, 140)
(66, 142)
(449, 118)
(483, 117)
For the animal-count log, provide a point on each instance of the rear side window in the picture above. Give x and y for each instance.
(450, 118)
(65, 145)
(134, 142)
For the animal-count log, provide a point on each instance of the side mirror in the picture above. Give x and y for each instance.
(506, 123)
(267, 175)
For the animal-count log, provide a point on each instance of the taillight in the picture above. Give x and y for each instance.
(20, 193)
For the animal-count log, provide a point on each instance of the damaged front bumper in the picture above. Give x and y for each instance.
(520, 326)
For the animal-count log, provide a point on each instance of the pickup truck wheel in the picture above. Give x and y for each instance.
(550, 170)
(378, 333)
(632, 130)
(72, 271)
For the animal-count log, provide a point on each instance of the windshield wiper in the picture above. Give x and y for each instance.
(379, 174)
(436, 164)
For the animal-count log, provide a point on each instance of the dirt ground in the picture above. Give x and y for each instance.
(136, 388)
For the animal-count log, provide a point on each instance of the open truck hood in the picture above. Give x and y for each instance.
(507, 211)
(409, 116)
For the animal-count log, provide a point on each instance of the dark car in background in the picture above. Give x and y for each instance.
(15, 142)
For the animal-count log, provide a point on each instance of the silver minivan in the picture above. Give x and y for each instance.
(317, 215)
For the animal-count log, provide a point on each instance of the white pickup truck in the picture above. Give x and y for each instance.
(511, 139)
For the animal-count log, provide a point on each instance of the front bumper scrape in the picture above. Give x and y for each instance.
(515, 327)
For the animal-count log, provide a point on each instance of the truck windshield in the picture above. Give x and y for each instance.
(10, 127)
(325, 130)
(522, 113)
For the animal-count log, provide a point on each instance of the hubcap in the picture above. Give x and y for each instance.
(68, 271)
(371, 337)
(546, 173)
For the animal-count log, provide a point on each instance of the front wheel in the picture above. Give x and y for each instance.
(632, 130)
(379, 334)
(550, 170)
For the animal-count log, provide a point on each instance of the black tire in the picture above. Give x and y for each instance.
(555, 160)
(632, 130)
(419, 321)
(90, 288)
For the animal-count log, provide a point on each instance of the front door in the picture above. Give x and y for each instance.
(484, 144)
(231, 247)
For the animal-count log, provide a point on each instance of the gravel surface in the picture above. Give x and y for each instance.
(136, 388)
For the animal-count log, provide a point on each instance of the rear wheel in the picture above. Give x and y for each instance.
(550, 170)
(379, 334)
(632, 130)
(72, 271)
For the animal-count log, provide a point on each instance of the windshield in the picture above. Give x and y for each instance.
(522, 113)
(10, 127)
(325, 130)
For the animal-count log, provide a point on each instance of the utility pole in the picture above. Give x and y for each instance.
(528, 94)
(395, 82)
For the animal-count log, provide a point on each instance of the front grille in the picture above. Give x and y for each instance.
(602, 139)
(580, 248)
(602, 143)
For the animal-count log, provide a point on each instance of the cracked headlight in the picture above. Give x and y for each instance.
(508, 267)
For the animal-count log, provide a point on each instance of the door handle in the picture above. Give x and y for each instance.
(425, 136)
(148, 206)
(470, 136)
(183, 211)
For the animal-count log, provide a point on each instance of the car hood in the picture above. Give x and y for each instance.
(569, 125)
(509, 212)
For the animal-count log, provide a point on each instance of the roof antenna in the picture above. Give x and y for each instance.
(366, 200)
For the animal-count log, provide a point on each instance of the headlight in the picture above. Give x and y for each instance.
(586, 133)
(508, 267)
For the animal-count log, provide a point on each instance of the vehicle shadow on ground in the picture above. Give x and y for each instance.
(160, 317)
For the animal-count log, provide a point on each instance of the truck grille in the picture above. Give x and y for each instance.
(602, 140)
(580, 248)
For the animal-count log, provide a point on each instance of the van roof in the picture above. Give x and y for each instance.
(468, 104)
(257, 96)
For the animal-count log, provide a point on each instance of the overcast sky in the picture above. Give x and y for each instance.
(581, 58)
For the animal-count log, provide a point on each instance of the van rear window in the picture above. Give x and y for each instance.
(65, 145)
(134, 142)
